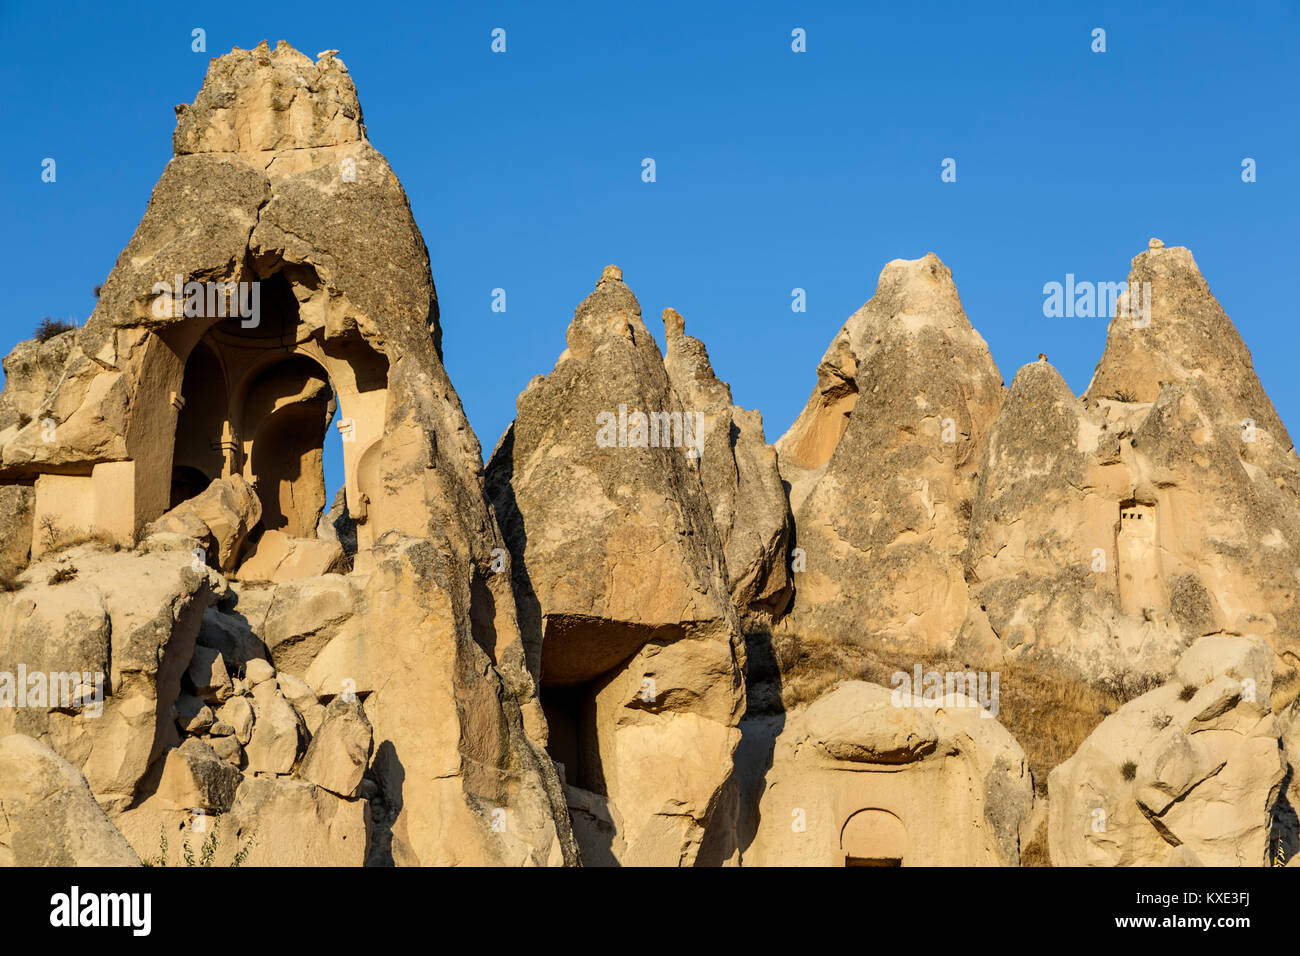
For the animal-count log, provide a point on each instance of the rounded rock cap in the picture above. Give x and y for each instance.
(611, 273)
(674, 324)
(1155, 244)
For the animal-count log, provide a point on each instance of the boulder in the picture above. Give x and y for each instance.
(229, 750)
(193, 715)
(48, 816)
(238, 713)
(340, 750)
(258, 671)
(208, 675)
(304, 701)
(195, 777)
(220, 519)
(303, 617)
(278, 732)
(277, 556)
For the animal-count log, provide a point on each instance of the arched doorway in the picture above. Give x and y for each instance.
(201, 425)
(258, 401)
(873, 837)
(287, 409)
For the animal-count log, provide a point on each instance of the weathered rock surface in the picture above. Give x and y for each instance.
(621, 580)
(451, 752)
(17, 518)
(882, 466)
(194, 777)
(304, 616)
(867, 774)
(293, 823)
(279, 734)
(1194, 765)
(124, 625)
(219, 519)
(340, 749)
(280, 557)
(542, 662)
(48, 816)
(739, 472)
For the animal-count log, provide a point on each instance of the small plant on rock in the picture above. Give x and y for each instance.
(65, 573)
(1129, 770)
(207, 849)
(49, 328)
(49, 530)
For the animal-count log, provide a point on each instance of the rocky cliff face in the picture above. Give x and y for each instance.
(941, 621)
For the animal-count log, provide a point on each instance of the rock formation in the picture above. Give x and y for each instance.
(622, 581)
(866, 776)
(939, 622)
(1187, 774)
(882, 465)
(277, 275)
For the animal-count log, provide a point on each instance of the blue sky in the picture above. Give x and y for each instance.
(775, 169)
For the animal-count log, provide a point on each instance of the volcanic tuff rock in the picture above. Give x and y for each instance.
(865, 773)
(621, 579)
(220, 518)
(47, 814)
(1193, 766)
(542, 662)
(126, 621)
(275, 182)
(1110, 533)
(882, 466)
(739, 472)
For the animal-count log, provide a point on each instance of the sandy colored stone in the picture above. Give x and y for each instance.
(193, 715)
(258, 671)
(131, 618)
(280, 557)
(292, 823)
(870, 773)
(620, 576)
(882, 467)
(220, 519)
(739, 472)
(48, 816)
(1168, 771)
(274, 182)
(340, 750)
(238, 712)
(208, 675)
(304, 616)
(278, 732)
(195, 777)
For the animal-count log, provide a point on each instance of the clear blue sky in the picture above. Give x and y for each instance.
(775, 169)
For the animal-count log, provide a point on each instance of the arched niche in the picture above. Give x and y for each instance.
(873, 837)
(368, 489)
(201, 425)
(256, 399)
(285, 411)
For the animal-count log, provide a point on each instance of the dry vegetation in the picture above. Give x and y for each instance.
(54, 540)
